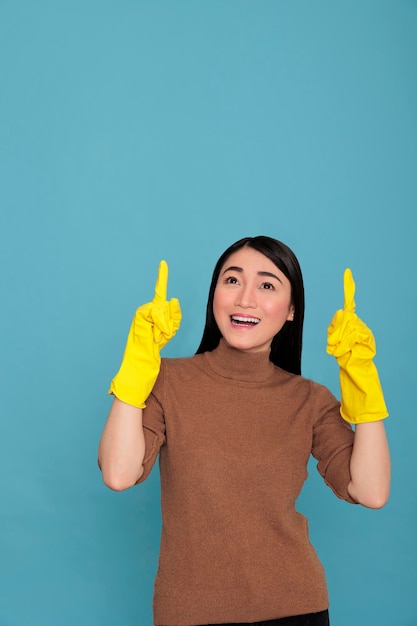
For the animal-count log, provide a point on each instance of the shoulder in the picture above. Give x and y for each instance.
(181, 361)
(182, 366)
(304, 387)
(297, 380)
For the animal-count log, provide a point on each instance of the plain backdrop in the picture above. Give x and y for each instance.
(132, 131)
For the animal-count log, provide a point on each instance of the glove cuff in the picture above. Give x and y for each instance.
(362, 399)
(125, 395)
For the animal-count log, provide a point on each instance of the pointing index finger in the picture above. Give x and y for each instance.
(349, 291)
(161, 282)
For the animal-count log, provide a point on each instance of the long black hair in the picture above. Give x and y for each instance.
(286, 346)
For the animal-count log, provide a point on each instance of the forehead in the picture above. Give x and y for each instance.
(250, 259)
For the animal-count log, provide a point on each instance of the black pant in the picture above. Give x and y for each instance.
(311, 619)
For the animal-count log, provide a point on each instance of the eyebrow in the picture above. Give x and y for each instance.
(235, 268)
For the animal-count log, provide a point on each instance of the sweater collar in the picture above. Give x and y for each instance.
(237, 365)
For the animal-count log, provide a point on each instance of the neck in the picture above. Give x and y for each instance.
(236, 364)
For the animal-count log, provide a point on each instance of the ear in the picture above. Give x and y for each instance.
(290, 317)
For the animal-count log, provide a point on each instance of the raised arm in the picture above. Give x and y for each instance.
(352, 343)
(122, 444)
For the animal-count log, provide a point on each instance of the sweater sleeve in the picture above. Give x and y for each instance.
(332, 443)
(153, 426)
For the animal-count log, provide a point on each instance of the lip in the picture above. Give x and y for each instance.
(244, 321)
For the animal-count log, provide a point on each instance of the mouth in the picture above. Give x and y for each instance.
(241, 320)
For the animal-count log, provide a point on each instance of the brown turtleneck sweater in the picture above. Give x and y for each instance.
(235, 434)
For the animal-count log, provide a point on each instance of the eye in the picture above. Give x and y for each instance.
(231, 280)
(267, 286)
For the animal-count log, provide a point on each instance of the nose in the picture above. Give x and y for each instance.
(245, 298)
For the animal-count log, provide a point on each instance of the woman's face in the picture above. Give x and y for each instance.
(252, 301)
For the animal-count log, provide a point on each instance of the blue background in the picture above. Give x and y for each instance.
(133, 131)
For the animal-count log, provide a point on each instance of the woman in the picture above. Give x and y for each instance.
(234, 426)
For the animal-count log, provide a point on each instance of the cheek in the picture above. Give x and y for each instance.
(279, 310)
(217, 304)
(221, 306)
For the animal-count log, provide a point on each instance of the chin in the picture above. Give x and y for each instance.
(246, 346)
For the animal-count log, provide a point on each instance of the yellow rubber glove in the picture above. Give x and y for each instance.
(352, 343)
(153, 325)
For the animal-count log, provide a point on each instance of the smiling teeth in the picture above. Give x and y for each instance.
(250, 320)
